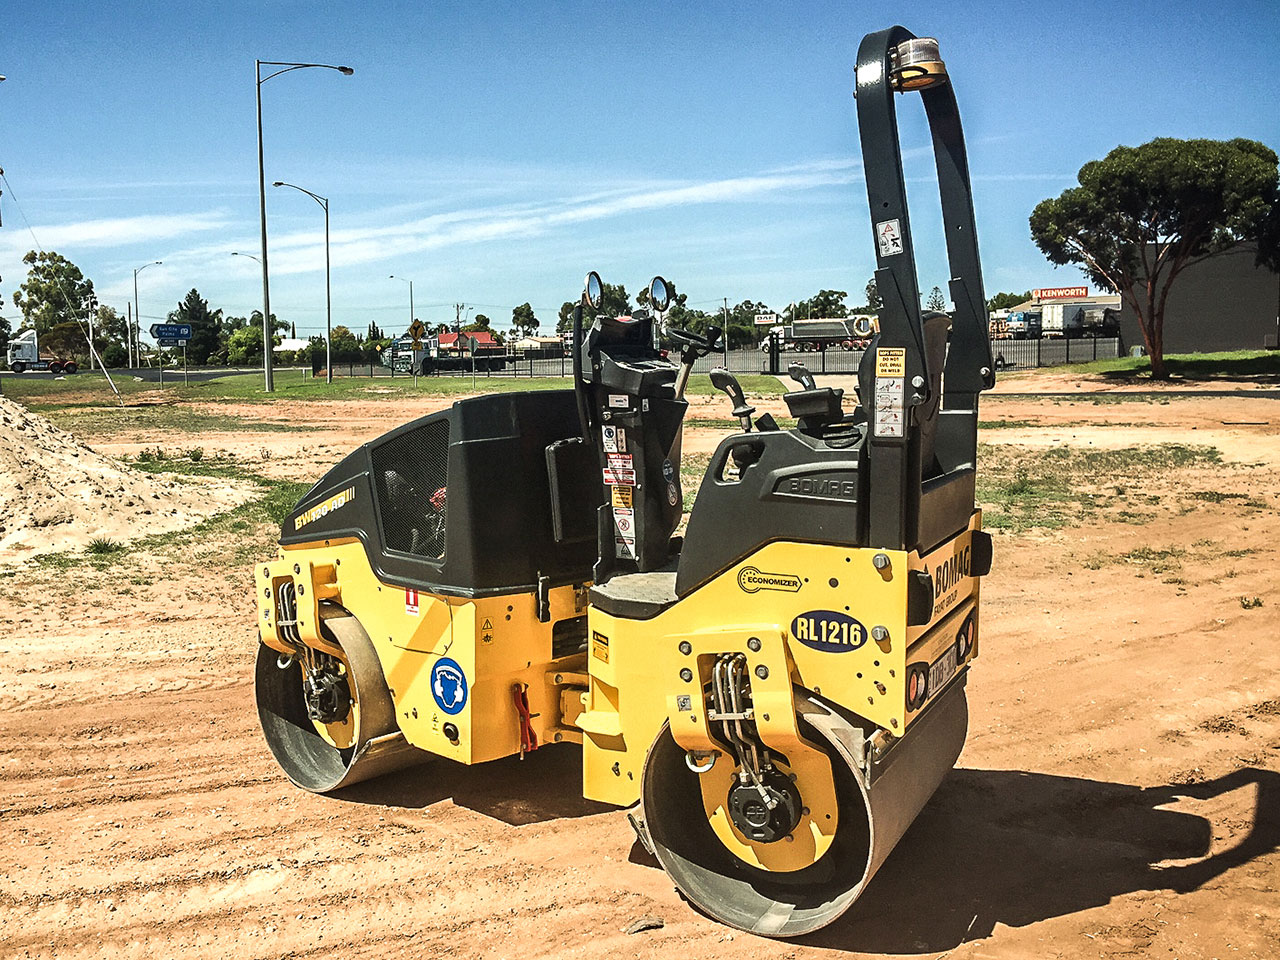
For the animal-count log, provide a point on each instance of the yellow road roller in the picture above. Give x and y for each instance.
(777, 692)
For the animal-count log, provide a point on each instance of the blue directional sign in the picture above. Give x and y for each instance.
(171, 331)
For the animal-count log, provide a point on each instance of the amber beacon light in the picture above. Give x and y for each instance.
(917, 64)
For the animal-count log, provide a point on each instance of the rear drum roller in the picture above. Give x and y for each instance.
(776, 896)
(334, 727)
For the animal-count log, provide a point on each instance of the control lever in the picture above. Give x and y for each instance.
(722, 379)
(801, 375)
(692, 347)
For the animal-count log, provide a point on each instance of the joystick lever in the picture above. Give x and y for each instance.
(722, 379)
(801, 375)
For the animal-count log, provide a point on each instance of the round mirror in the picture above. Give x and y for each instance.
(659, 294)
(595, 290)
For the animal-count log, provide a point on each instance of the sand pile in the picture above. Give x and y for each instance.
(57, 494)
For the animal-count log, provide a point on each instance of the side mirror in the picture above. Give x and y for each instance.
(594, 293)
(660, 294)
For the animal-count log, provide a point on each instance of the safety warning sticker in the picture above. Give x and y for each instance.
(625, 547)
(620, 478)
(620, 461)
(891, 362)
(615, 439)
(889, 237)
(890, 413)
(411, 602)
(621, 496)
(625, 522)
(619, 400)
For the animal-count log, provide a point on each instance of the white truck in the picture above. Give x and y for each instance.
(24, 354)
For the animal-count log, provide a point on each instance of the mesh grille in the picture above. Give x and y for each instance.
(411, 475)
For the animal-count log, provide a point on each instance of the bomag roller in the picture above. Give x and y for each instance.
(782, 689)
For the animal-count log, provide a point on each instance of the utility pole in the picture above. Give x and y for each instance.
(726, 332)
(128, 333)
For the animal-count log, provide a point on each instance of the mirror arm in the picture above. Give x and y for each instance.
(579, 382)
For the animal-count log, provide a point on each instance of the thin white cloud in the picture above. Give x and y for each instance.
(302, 251)
(110, 232)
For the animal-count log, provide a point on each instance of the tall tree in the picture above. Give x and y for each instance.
(374, 332)
(874, 301)
(523, 321)
(824, 305)
(54, 292)
(1142, 215)
(206, 327)
(936, 300)
(614, 303)
(1005, 301)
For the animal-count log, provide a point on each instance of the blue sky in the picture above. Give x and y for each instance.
(494, 152)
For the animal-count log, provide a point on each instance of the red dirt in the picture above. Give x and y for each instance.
(1119, 795)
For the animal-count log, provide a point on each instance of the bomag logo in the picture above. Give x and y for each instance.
(752, 580)
(823, 487)
(950, 572)
(336, 502)
(828, 631)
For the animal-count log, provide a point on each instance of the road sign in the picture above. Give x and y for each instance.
(417, 329)
(171, 331)
(170, 341)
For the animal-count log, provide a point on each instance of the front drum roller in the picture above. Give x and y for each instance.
(309, 754)
(874, 811)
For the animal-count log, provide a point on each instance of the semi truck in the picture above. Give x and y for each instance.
(433, 359)
(851, 333)
(24, 354)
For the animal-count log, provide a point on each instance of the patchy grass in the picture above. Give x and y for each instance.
(1250, 603)
(45, 394)
(1022, 489)
(102, 546)
(1225, 365)
(1007, 424)
(94, 423)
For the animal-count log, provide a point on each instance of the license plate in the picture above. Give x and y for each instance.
(942, 670)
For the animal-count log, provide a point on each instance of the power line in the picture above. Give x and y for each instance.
(65, 295)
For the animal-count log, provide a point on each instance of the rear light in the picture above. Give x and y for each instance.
(964, 639)
(917, 685)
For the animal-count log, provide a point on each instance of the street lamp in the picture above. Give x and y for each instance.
(410, 283)
(328, 299)
(137, 317)
(237, 253)
(285, 67)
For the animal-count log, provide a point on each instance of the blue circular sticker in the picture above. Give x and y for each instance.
(449, 686)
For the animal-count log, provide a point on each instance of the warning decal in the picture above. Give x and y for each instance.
(615, 478)
(621, 496)
(411, 602)
(891, 362)
(889, 237)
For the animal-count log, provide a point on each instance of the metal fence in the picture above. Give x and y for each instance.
(1008, 354)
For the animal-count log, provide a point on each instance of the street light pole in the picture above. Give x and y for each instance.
(285, 66)
(328, 299)
(137, 317)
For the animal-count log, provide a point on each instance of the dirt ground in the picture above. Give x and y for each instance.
(1119, 794)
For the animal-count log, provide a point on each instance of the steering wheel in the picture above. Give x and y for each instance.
(691, 342)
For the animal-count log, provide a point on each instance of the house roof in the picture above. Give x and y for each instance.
(482, 337)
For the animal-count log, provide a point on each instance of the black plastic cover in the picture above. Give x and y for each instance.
(492, 498)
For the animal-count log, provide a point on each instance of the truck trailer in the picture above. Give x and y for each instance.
(24, 354)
